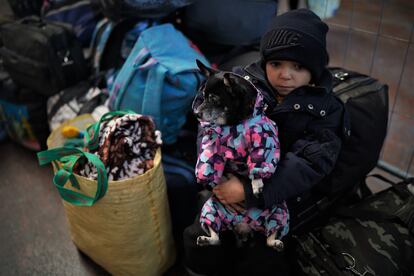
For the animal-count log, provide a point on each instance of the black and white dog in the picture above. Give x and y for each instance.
(237, 138)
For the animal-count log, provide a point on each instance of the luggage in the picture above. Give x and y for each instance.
(223, 29)
(81, 15)
(229, 22)
(84, 97)
(366, 102)
(22, 8)
(373, 237)
(159, 78)
(23, 114)
(45, 57)
(182, 191)
(119, 9)
(112, 41)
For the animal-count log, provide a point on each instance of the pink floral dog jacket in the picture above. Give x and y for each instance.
(250, 148)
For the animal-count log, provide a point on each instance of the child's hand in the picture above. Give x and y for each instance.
(230, 191)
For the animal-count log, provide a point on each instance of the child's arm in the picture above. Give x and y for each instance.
(305, 164)
(309, 160)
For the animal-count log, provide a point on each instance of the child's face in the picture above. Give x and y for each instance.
(285, 76)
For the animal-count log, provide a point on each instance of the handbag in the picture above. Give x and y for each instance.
(124, 226)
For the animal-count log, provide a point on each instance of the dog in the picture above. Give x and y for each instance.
(239, 139)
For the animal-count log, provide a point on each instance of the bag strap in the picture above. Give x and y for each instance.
(138, 59)
(67, 158)
(152, 94)
(400, 187)
(403, 216)
(100, 45)
(97, 29)
(151, 102)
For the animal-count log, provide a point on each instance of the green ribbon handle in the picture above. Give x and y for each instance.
(92, 132)
(67, 158)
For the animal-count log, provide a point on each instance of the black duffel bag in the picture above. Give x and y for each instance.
(42, 56)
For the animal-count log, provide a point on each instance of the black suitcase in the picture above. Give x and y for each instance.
(22, 8)
(43, 57)
(366, 101)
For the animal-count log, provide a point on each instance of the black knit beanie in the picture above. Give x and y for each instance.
(297, 35)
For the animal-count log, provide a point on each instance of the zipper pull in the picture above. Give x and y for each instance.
(66, 59)
(341, 75)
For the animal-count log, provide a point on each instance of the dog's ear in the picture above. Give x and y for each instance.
(228, 79)
(204, 69)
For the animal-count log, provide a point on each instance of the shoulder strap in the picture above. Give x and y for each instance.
(92, 132)
(67, 158)
(403, 216)
(151, 103)
(100, 45)
(140, 60)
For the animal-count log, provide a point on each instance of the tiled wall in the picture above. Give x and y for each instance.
(375, 37)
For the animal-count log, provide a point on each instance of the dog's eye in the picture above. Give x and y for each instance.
(212, 97)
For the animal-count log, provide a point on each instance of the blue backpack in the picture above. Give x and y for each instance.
(159, 78)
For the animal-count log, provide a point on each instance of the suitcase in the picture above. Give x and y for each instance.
(45, 57)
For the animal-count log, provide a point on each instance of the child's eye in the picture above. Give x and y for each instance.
(275, 63)
(298, 66)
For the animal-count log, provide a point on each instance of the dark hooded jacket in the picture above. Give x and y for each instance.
(312, 123)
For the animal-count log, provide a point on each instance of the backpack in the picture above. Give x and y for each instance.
(118, 9)
(22, 8)
(226, 29)
(44, 57)
(112, 41)
(81, 15)
(84, 97)
(366, 102)
(373, 237)
(159, 78)
(229, 22)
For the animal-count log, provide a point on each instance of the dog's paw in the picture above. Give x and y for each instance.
(205, 241)
(276, 244)
(257, 186)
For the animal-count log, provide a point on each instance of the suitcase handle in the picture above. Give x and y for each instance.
(33, 20)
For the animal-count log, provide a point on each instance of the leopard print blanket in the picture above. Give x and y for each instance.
(127, 147)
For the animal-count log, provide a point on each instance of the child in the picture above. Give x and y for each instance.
(296, 84)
